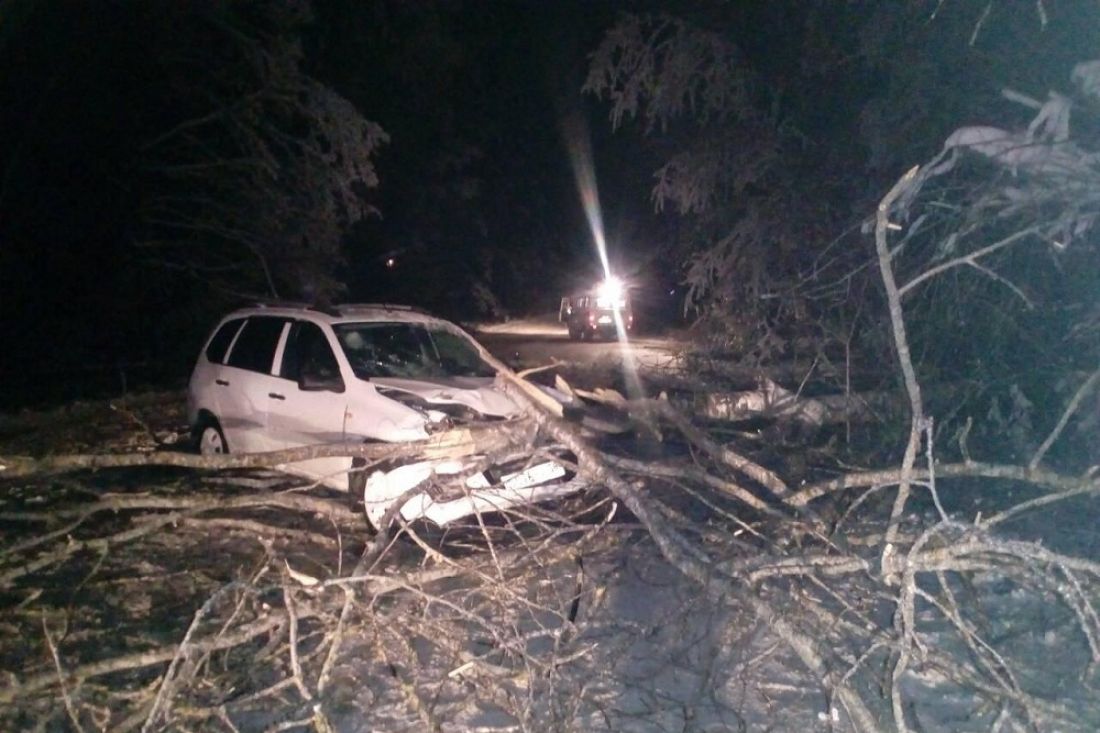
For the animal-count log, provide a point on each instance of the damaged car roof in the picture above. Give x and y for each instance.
(353, 312)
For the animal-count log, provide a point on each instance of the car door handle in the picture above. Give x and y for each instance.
(222, 382)
(275, 396)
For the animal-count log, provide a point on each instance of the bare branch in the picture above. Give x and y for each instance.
(912, 387)
(139, 660)
(968, 259)
(1071, 408)
(1060, 483)
(449, 444)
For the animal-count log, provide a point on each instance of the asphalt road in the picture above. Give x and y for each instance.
(535, 342)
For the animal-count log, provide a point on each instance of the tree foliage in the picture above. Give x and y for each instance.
(1000, 263)
(736, 166)
(265, 168)
(774, 149)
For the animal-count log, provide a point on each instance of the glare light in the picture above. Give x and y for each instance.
(580, 153)
(610, 289)
(391, 263)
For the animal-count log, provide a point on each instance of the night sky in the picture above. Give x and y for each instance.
(475, 186)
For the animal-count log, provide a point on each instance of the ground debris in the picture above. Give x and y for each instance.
(704, 588)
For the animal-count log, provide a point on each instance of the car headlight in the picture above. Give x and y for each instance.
(435, 418)
(459, 413)
(406, 398)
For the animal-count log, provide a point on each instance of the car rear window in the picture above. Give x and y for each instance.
(215, 350)
(255, 347)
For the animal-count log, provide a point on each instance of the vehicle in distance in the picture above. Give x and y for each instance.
(282, 376)
(598, 313)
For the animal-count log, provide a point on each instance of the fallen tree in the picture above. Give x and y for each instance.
(836, 635)
(487, 438)
(771, 400)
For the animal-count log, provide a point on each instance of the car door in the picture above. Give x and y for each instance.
(310, 402)
(248, 384)
(208, 383)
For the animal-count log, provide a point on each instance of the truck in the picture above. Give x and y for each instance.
(598, 312)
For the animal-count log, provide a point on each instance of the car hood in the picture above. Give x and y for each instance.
(477, 393)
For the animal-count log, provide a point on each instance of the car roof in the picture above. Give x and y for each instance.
(343, 313)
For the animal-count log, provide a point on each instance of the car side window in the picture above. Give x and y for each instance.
(308, 353)
(215, 350)
(255, 347)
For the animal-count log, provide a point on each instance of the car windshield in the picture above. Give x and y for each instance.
(408, 350)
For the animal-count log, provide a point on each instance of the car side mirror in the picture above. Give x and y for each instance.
(320, 383)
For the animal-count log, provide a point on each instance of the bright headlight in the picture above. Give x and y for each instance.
(610, 290)
(611, 294)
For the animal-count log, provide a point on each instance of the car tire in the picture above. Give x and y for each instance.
(211, 439)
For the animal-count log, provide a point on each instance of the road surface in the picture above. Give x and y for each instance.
(534, 342)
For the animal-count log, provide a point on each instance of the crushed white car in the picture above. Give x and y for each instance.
(282, 376)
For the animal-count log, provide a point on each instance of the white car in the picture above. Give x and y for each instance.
(282, 376)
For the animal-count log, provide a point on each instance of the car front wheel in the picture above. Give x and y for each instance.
(212, 441)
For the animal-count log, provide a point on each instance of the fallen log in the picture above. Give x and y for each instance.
(1058, 483)
(773, 401)
(194, 502)
(488, 438)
